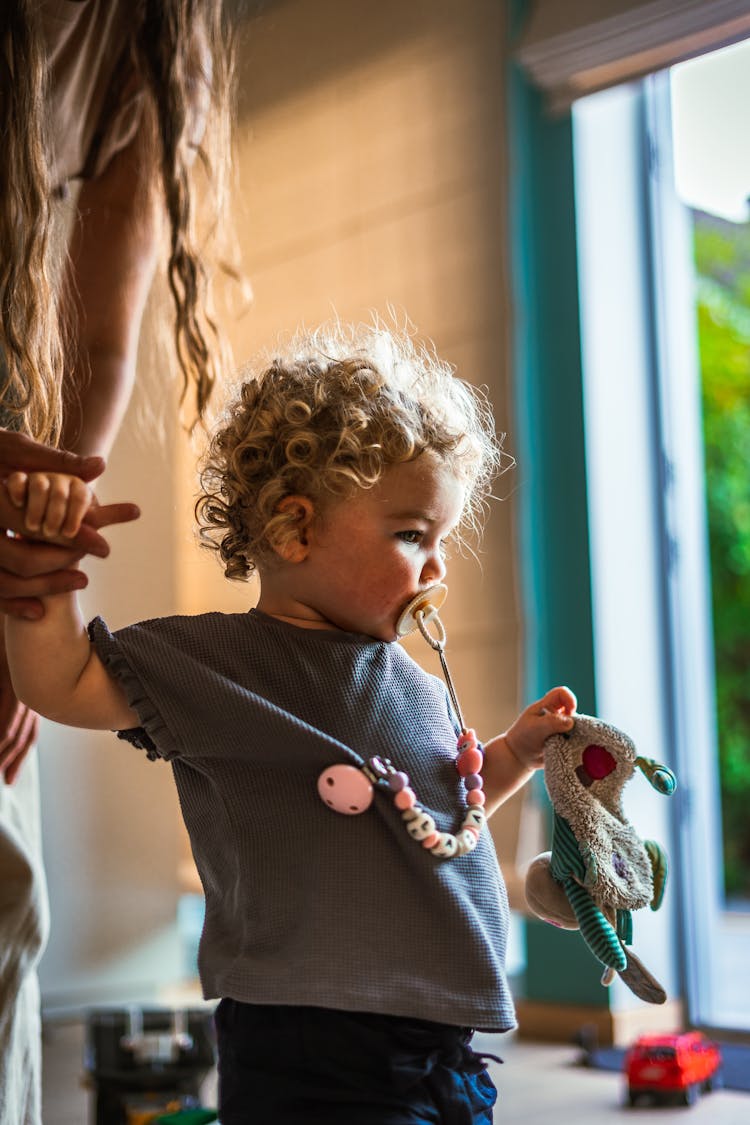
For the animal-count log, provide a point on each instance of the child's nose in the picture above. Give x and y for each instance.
(434, 569)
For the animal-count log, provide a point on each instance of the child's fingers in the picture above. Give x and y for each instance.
(57, 505)
(560, 699)
(37, 495)
(79, 502)
(66, 501)
(15, 486)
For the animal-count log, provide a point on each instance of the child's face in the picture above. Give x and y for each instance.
(372, 553)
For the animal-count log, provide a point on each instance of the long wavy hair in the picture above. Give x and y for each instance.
(34, 341)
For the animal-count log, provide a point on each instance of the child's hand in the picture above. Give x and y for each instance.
(54, 504)
(550, 715)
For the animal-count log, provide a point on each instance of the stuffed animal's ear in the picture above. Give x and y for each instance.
(545, 897)
(640, 981)
(660, 777)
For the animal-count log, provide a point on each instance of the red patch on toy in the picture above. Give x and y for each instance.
(598, 762)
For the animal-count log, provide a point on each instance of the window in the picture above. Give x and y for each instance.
(648, 513)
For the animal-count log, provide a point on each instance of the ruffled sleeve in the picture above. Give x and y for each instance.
(123, 655)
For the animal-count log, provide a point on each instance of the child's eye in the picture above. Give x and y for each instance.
(410, 536)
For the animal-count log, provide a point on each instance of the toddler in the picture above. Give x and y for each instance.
(356, 918)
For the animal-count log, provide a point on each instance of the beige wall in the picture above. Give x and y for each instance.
(371, 169)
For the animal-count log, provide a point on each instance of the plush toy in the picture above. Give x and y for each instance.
(599, 870)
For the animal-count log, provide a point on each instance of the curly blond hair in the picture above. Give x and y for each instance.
(341, 406)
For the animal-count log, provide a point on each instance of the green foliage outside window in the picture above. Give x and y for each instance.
(722, 255)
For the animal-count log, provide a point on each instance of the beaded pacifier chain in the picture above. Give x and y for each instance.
(349, 790)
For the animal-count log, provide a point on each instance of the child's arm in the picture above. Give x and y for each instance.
(54, 669)
(56, 672)
(511, 759)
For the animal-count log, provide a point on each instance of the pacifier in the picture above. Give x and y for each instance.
(350, 789)
(420, 612)
(424, 607)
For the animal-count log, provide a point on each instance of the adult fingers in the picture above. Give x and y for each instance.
(25, 737)
(104, 515)
(14, 589)
(28, 558)
(9, 706)
(30, 609)
(87, 541)
(17, 451)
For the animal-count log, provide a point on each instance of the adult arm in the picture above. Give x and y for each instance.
(29, 569)
(112, 257)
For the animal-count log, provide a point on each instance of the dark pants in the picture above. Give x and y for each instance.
(311, 1066)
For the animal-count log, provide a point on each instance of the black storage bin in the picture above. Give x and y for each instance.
(133, 1053)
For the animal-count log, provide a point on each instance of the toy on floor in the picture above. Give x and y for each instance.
(599, 870)
(665, 1068)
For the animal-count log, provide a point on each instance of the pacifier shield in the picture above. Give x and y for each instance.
(429, 602)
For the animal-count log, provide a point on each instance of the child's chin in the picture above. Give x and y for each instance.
(384, 632)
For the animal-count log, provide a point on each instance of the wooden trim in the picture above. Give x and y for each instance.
(573, 50)
(555, 1023)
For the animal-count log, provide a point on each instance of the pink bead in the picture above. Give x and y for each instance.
(466, 739)
(406, 798)
(470, 761)
(431, 840)
(475, 797)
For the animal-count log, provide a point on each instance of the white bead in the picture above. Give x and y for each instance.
(421, 827)
(467, 841)
(410, 814)
(446, 846)
(476, 818)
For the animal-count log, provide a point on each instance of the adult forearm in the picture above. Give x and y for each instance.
(104, 293)
(97, 404)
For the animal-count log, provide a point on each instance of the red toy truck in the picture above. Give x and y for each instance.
(671, 1067)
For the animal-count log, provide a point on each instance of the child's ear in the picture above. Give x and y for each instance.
(299, 512)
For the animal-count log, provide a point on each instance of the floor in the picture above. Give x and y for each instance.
(538, 1084)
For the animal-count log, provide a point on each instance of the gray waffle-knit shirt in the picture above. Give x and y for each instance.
(305, 905)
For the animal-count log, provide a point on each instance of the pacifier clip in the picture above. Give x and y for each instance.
(350, 789)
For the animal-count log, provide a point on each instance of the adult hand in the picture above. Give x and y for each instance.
(30, 569)
(18, 724)
(17, 451)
